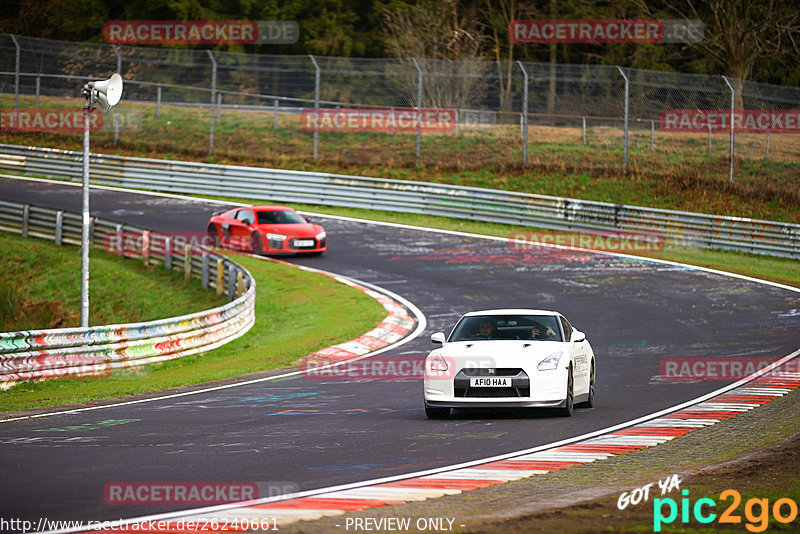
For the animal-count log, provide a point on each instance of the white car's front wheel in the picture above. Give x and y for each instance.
(437, 413)
(589, 402)
(569, 402)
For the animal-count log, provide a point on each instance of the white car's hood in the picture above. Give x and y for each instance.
(501, 353)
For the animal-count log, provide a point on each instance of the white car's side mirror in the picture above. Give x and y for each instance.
(438, 337)
(578, 336)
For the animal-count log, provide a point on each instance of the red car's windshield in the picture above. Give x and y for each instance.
(280, 217)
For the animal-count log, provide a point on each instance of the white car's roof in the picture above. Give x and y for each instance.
(512, 311)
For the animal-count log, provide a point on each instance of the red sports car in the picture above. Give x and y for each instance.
(267, 230)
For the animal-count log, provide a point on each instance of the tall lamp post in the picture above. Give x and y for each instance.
(102, 95)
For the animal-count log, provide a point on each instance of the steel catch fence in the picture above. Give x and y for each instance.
(594, 117)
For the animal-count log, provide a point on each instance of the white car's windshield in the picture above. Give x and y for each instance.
(529, 327)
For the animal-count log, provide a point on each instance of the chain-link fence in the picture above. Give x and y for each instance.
(407, 112)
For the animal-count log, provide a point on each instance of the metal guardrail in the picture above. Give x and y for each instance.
(478, 204)
(42, 354)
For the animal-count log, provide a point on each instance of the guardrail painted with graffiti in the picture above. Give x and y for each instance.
(478, 204)
(43, 354)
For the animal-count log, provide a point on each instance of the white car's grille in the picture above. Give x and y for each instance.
(493, 392)
(520, 385)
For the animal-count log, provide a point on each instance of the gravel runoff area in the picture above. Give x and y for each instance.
(758, 450)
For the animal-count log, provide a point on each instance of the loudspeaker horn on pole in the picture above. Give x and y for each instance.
(107, 93)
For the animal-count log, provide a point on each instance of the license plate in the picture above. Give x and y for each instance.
(304, 242)
(490, 382)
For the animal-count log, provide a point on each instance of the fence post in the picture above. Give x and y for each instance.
(213, 98)
(38, 88)
(16, 75)
(204, 271)
(733, 108)
(116, 108)
(231, 282)
(158, 101)
(584, 131)
(59, 227)
(121, 248)
(187, 261)
(168, 254)
(275, 116)
(220, 275)
(239, 283)
(456, 123)
(625, 136)
(652, 134)
(219, 107)
(316, 107)
(708, 152)
(524, 115)
(419, 108)
(766, 156)
(26, 213)
(146, 248)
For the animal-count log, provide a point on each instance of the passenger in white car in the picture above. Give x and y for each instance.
(541, 332)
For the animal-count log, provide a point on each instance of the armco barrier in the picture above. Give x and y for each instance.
(42, 354)
(489, 205)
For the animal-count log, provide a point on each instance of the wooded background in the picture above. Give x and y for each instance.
(745, 39)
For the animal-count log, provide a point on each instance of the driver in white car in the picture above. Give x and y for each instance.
(486, 330)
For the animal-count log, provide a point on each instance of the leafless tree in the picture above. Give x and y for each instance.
(739, 32)
(447, 42)
(500, 13)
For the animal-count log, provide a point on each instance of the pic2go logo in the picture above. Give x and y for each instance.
(756, 511)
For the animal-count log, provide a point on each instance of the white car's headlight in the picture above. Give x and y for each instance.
(437, 363)
(276, 237)
(551, 362)
(320, 236)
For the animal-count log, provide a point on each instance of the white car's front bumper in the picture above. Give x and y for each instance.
(529, 389)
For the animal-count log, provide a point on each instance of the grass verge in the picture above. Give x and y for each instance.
(38, 276)
(292, 320)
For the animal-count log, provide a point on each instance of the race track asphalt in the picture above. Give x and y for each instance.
(304, 434)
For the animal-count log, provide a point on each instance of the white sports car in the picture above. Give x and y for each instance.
(510, 358)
